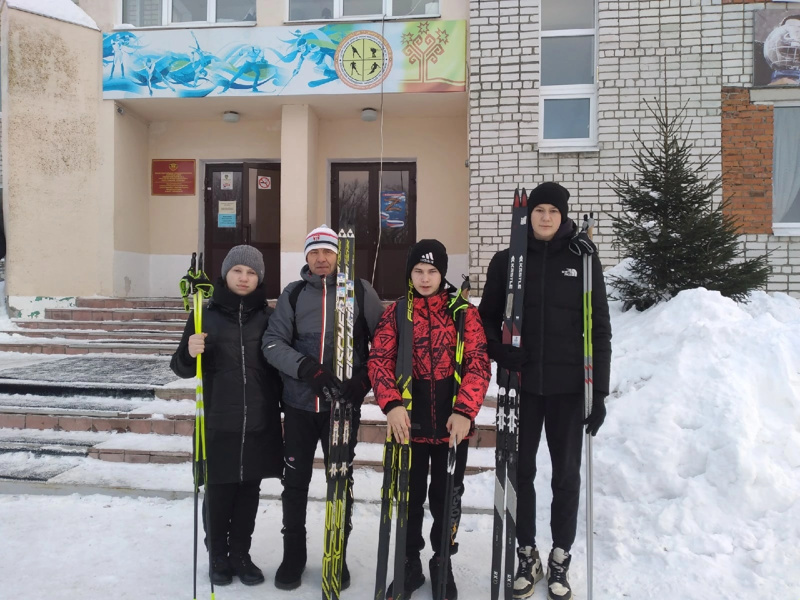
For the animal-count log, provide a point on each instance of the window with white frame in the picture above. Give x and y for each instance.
(314, 10)
(149, 13)
(786, 170)
(568, 86)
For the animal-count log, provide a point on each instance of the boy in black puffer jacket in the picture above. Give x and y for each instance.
(243, 422)
(551, 365)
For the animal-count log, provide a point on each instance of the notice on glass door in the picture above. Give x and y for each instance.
(393, 210)
(226, 180)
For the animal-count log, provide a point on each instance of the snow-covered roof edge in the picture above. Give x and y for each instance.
(60, 10)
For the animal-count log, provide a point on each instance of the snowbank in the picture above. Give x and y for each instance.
(61, 10)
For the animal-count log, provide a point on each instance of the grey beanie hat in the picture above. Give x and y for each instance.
(247, 256)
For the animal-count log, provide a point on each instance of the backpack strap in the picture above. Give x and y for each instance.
(293, 296)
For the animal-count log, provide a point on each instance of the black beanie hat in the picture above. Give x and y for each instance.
(431, 252)
(549, 192)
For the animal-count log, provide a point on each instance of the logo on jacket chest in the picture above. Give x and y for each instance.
(570, 272)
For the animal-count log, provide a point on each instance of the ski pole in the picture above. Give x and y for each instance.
(196, 284)
(588, 390)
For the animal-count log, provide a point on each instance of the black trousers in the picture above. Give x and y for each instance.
(301, 432)
(434, 456)
(232, 513)
(562, 417)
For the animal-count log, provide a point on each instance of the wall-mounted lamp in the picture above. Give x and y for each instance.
(230, 116)
(369, 115)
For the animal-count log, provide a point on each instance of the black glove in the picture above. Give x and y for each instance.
(580, 244)
(319, 377)
(507, 356)
(354, 389)
(597, 416)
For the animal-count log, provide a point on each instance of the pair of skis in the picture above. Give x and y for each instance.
(341, 423)
(195, 285)
(507, 445)
(397, 467)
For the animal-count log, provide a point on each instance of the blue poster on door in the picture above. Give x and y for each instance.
(393, 210)
(226, 220)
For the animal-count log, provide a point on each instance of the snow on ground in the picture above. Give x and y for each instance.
(696, 484)
(62, 10)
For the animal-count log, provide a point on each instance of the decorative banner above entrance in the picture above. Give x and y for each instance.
(336, 58)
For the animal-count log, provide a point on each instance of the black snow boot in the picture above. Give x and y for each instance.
(243, 566)
(219, 570)
(414, 578)
(435, 564)
(557, 570)
(289, 575)
(529, 571)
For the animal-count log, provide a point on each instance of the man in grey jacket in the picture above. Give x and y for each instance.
(299, 343)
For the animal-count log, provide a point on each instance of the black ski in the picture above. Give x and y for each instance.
(458, 307)
(341, 422)
(403, 372)
(505, 495)
(385, 527)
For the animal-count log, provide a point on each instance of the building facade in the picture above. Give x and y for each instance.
(136, 137)
(558, 90)
(153, 129)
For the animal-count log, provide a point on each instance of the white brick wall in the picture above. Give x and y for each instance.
(684, 49)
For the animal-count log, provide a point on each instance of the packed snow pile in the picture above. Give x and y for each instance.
(697, 468)
(61, 10)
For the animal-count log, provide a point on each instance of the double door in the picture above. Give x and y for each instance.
(242, 206)
(381, 209)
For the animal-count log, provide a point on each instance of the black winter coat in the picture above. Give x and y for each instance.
(552, 321)
(242, 391)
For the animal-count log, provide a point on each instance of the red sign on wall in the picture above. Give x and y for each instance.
(174, 177)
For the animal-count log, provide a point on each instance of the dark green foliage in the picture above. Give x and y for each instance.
(669, 226)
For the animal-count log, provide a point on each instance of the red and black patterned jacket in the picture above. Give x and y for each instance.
(434, 366)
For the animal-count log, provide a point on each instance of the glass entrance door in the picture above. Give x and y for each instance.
(384, 222)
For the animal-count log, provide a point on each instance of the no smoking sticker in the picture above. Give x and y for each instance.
(264, 183)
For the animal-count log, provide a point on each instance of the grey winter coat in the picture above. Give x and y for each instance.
(314, 323)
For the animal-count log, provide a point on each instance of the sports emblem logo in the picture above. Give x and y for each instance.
(363, 60)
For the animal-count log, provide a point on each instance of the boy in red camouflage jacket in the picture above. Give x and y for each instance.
(435, 422)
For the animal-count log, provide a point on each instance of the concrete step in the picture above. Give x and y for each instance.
(144, 327)
(137, 415)
(109, 375)
(29, 455)
(114, 314)
(132, 447)
(87, 347)
(135, 303)
(127, 337)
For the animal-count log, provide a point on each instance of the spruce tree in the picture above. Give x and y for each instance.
(670, 227)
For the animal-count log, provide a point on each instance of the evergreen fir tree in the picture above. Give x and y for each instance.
(675, 235)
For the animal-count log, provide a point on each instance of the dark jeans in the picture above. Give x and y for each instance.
(562, 416)
(301, 432)
(232, 511)
(435, 456)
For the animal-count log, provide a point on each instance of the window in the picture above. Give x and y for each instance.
(568, 87)
(149, 13)
(313, 10)
(786, 171)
